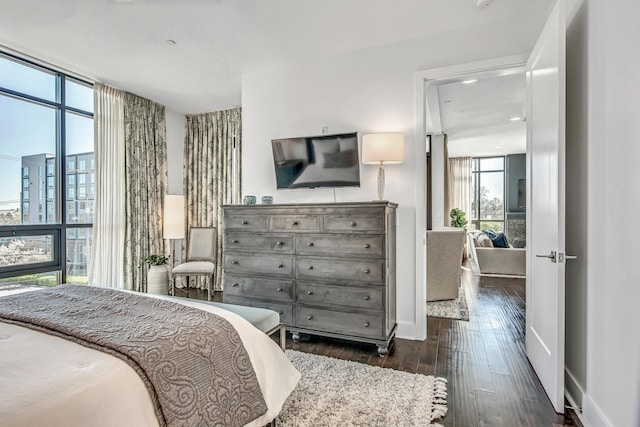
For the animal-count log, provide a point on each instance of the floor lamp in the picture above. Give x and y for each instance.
(380, 149)
(174, 219)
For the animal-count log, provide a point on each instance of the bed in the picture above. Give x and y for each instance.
(46, 380)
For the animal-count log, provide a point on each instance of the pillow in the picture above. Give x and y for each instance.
(485, 241)
(323, 146)
(342, 159)
(348, 143)
(500, 240)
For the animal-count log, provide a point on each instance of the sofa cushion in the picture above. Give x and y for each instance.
(499, 240)
(485, 241)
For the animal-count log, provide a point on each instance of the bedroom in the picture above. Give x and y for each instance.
(374, 91)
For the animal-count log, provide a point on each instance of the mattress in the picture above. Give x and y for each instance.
(49, 381)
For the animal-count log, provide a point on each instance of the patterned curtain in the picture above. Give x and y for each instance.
(212, 153)
(146, 185)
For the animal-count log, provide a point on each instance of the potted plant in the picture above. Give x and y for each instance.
(158, 274)
(458, 219)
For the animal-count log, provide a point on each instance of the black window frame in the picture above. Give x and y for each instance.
(477, 173)
(58, 229)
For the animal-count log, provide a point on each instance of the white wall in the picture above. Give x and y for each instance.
(609, 128)
(175, 149)
(437, 182)
(577, 198)
(369, 90)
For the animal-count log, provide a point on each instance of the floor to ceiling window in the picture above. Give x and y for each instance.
(46, 159)
(487, 204)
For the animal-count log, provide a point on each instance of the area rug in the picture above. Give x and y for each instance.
(450, 309)
(335, 392)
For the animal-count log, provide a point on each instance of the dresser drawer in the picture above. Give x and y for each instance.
(326, 295)
(281, 243)
(284, 310)
(327, 244)
(354, 223)
(367, 325)
(281, 290)
(365, 270)
(303, 223)
(273, 265)
(246, 222)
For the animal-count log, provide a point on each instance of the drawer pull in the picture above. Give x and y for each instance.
(235, 285)
(366, 324)
(279, 289)
(280, 265)
(294, 223)
(279, 243)
(367, 298)
(245, 222)
(234, 241)
(309, 317)
(281, 312)
(309, 292)
(353, 223)
(310, 244)
(367, 271)
(235, 262)
(310, 267)
(367, 246)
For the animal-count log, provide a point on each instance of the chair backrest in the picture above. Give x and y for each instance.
(444, 258)
(202, 244)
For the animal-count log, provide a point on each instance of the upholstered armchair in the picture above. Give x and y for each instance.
(444, 258)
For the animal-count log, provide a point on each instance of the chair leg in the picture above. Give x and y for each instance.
(209, 283)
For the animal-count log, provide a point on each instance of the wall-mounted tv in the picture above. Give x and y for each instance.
(317, 161)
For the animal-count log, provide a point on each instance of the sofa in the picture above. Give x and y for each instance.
(491, 260)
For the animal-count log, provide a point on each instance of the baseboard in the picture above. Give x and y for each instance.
(574, 393)
(410, 331)
(573, 390)
(592, 415)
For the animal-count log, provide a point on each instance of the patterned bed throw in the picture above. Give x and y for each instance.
(193, 363)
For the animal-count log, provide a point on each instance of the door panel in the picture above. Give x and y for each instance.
(546, 205)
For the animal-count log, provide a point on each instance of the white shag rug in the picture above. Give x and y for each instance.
(450, 309)
(335, 392)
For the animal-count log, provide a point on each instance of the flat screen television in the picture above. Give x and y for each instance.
(317, 161)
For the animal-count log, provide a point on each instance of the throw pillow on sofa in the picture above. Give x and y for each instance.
(499, 240)
(485, 241)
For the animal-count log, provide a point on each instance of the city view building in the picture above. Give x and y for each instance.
(38, 200)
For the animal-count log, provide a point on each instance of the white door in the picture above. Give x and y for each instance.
(546, 206)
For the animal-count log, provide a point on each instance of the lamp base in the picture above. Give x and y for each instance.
(381, 182)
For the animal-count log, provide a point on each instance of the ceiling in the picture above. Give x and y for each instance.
(124, 42)
(479, 117)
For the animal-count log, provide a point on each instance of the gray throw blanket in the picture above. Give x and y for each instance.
(193, 363)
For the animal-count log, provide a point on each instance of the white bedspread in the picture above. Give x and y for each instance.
(49, 381)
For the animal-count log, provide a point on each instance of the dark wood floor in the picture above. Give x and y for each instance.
(490, 381)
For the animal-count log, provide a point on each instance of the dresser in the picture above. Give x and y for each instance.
(328, 269)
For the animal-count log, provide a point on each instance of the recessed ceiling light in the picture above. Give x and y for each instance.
(447, 101)
(498, 146)
(515, 118)
(468, 82)
(170, 42)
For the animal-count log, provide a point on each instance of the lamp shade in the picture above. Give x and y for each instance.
(386, 147)
(174, 216)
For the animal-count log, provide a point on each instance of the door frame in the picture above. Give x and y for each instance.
(424, 125)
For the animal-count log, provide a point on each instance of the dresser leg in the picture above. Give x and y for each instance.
(383, 350)
(295, 336)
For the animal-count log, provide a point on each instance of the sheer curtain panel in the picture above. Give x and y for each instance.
(459, 184)
(106, 267)
(212, 172)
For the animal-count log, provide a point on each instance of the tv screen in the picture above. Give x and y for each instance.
(317, 161)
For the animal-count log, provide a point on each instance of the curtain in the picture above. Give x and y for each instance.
(146, 184)
(459, 185)
(107, 251)
(212, 173)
